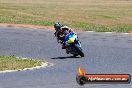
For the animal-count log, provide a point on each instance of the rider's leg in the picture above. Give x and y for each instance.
(63, 45)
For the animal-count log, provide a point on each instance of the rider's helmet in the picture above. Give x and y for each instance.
(58, 26)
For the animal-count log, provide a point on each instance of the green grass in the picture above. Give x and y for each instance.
(103, 28)
(97, 15)
(13, 63)
(25, 21)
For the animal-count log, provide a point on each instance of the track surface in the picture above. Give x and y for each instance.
(104, 53)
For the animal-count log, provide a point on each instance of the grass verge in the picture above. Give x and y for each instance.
(14, 63)
(95, 15)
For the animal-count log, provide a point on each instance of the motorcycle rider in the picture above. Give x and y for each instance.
(61, 32)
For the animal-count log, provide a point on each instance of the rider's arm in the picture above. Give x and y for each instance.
(71, 30)
(55, 34)
(58, 34)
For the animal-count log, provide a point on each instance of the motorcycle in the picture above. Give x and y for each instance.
(73, 45)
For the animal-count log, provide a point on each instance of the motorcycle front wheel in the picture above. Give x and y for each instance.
(79, 50)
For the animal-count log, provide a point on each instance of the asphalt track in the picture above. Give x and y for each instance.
(104, 53)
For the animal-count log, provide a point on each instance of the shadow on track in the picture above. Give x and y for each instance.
(65, 57)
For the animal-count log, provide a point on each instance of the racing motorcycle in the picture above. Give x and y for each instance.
(73, 46)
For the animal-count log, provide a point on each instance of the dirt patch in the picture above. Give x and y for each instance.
(27, 26)
(30, 26)
(130, 32)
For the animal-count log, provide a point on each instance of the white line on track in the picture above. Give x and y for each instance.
(90, 31)
(107, 32)
(126, 33)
